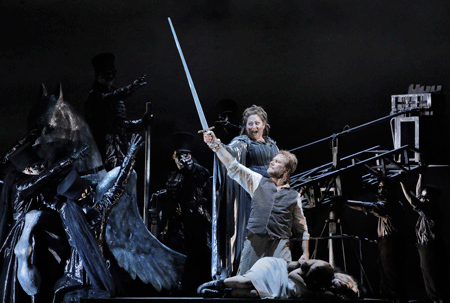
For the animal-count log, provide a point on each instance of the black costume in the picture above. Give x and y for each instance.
(390, 213)
(227, 125)
(186, 217)
(86, 257)
(105, 112)
(56, 131)
(61, 131)
(26, 193)
(431, 247)
(430, 238)
(127, 246)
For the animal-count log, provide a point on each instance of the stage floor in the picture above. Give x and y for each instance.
(234, 300)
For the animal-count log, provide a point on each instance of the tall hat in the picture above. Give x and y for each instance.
(182, 141)
(104, 62)
(25, 156)
(72, 186)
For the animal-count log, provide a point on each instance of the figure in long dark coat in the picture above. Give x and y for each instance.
(105, 111)
(186, 214)
(28, 188)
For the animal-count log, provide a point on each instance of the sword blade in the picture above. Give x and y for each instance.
(191, 83)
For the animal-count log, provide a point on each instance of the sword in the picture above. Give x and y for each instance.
(191, 84)
(214, 257)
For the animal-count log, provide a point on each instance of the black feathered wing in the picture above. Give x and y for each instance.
(133, 246)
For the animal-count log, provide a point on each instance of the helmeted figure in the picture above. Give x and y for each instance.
(103, 227)
(57, 132)
(186, 209)
(58, 136)
(227, 125)
(105, 111)
(31, 188)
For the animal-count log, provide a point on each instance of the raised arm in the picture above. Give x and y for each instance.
(216, 146)
(126, 91)
(423, 167)
(407, 193)
(36, 183)
(419, 185)
(113, 195)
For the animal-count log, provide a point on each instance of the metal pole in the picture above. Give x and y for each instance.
(355, 128)
(331, 232)
(146, 212)
(333, 221)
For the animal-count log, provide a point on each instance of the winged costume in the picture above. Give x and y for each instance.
(58, 130)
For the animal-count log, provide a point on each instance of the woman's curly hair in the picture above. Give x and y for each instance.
(255, 110)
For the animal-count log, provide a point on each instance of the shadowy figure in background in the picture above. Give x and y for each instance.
(105, 111)
(391, 249)
(186, 214)
(227, 125)
(430, 237)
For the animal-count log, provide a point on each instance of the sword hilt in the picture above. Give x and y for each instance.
(206, 130)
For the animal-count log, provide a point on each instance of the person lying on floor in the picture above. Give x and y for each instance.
(275, 278)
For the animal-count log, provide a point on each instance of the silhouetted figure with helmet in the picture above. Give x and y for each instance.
(227, 123)
(105, 111)
(28, 197)
(185, 214)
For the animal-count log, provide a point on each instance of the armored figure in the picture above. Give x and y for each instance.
(41, 230)
(31, 188)
(105, 233)
(105, 111)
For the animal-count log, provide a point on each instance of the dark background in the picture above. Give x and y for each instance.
(315, 66)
